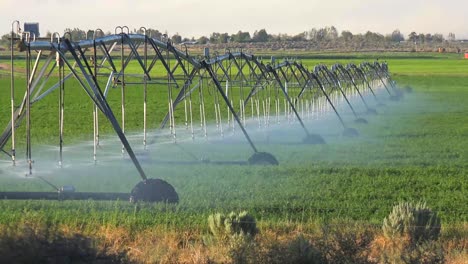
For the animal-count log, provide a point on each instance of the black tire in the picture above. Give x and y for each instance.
(314, 139)
(350, 132)
(262, 158)
(154, 190)
(361, 121)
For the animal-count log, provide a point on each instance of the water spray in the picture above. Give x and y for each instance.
(333, 79)
(359, 72)
(339, 69)
(261, 83)
(310, 138)
(348, 131)
(258, 158)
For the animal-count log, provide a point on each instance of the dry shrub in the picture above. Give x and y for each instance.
(339, 243)
(346, 243)
(402, 250)
(457, 258)
(290, 247)
(31, 242)
(157, 245)
(455, 242)
(410, 235)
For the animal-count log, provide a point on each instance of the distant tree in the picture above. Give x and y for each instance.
(397, 36)
(346, 35)
(153, 33)
(89, 34)
(261, 36)
(241, 37)
(451, 36)
(421, 38)
(202, 40)
(413, 37)
(275, 38)
(214, 37)
(312, 34)
(6, 37)
(299, 37)
(438, 38)
(321, 35)
(332, 33)
(219, 38)
(76, 34)
(5, 40)
(283, 37)
(224, 38)
(428, 37)
(374, 37)
(176, 39)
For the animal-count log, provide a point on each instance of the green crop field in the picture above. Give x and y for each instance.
(413, 150)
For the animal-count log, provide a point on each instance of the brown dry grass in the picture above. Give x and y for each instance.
(158, 245)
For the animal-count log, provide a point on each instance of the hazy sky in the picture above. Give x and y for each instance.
(202, 17)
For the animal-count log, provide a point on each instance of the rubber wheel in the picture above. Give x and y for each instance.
(262, 158)
(361, 121)
(314, 140)
(350, 132)
(154, 190)
(408, 89)
(372, 111)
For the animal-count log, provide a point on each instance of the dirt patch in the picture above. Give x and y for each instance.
(6, 67)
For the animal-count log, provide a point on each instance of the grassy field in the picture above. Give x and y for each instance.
(415, 149)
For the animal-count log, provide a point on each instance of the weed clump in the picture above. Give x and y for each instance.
(346, 242)
(410, 235)
(232, 224)
(238, 231)
(30, 242)
(300, 250)
(417, 222)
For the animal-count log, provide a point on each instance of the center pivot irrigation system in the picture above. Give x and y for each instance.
(243, 89)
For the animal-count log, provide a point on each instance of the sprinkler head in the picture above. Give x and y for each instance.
(361, 121)
(66, 189)
(350, 132)
(204, 160)
(262, 158)
(154, 190)
(314, 139)
(371, 111)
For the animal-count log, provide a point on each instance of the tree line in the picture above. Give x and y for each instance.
(329, 35)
